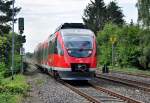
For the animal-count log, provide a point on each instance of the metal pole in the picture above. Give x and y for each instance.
(22, 59)
(22, 64)
(112, 54)
(13, 40)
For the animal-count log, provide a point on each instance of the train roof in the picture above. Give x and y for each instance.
(71, 26)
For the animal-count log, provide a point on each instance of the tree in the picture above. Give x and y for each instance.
(144, 58)
(127, 50)
(114, 13)
(104, 43)
(97, 14)
(6, 18)
(6, 13)
(5, 46)
(143, 7)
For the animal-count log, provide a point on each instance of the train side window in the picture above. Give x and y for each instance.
(59, 48)
(55, 47)
(50, 47)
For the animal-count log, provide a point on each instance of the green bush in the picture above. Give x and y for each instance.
(12, 91)
(132, 46)
(2, 70)
(17, 66)
(2, 67)
(16, 86)
(9, 98)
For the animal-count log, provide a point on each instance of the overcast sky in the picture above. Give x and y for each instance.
(43, 16)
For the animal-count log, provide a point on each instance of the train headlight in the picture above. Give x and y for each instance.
(90, 52)
(69, 51)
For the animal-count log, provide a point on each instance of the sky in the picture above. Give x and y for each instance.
(42, 17)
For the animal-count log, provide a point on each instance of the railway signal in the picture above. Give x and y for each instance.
(21, 29)
(21, 25)
(113, 40)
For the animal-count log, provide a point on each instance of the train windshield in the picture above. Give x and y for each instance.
(79, 46)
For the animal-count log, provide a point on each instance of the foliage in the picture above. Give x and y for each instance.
(6, 15)
(103, 39)
(19, 40)
(3, 48)
(9, 98)
(97, 14)
(94, 15)
(11, 91)
(144, 12)
(18, 85)
(114, 13)
(131, 49)
(144, 58)
(17, 65)
(2, 69)
(128, 46)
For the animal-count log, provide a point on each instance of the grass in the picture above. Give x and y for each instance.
(130, 70)
(12, 91)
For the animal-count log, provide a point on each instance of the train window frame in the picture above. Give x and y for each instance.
(59, 48)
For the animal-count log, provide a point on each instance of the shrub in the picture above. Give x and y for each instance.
(9, 98)
(2, 70)
(2, 66)
(16, 86)
(17, 66)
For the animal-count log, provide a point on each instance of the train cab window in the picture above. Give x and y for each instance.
(79, 46)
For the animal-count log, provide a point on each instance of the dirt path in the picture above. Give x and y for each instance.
(33, 75)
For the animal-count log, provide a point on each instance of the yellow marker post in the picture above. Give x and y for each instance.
(113, 39)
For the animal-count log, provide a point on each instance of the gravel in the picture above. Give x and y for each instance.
(124, 90)
(45, 89)
(130, 77)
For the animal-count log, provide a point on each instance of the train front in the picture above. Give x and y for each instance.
(79, 54)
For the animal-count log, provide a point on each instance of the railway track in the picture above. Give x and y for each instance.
(99, 94)
(109, 97)
(137, 84)
(138, 75)
(130, 74)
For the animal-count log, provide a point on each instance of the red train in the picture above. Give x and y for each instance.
(69, 53)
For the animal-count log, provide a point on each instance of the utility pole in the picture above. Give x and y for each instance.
(13, 40)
